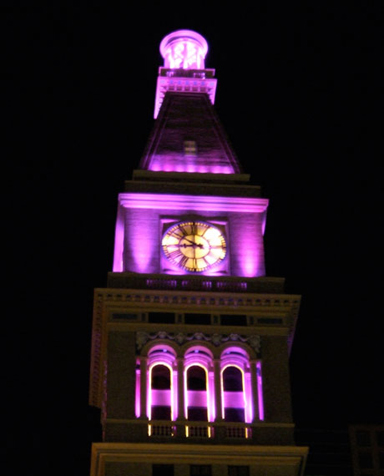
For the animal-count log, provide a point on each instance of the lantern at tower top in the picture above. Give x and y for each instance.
(184, 69)
(184, 49)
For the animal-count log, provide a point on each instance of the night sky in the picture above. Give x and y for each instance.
(298, 94)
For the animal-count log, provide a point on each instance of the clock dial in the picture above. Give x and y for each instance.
(194, 246)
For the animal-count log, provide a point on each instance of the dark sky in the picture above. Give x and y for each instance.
(298, 95)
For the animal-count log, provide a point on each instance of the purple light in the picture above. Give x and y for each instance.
(184, 70)
(159, 201)
(260, 391)
(187, 164)
(139, 219)
(137, 392)
(184, 49)
(196, 398)
(160, 397)
(232, 399)
(201, 356)
(161, 355)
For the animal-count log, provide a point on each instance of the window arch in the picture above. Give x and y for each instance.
(196, 394)
(236, 387)
(160, 377)
(233, 395)
(232, 379)
(160, 384)
(198, 383)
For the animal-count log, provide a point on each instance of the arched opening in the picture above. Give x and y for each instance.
(160, 392)
(196, 402)
(232, 380)
(233, 394)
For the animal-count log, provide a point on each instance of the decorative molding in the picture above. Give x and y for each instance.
(180, 338)
(248, 303)
(203, 299)
(197, 202)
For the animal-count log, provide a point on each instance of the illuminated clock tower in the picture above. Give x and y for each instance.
(191, 340)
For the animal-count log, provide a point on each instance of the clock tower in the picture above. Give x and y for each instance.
(191, 340)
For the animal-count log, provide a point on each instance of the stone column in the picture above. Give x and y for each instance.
(180, 389)
(218, 402)
(143, 387)
(181, 422)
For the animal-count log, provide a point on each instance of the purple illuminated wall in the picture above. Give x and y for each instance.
(142, 218)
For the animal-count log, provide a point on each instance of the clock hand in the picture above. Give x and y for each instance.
(184, 246)
(195, 245)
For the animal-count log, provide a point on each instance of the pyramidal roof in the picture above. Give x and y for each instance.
(187, 135)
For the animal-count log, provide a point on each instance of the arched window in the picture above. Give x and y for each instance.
(161, 397)
(160, 383)
(236, 385)
(161, 377)
(197, 399)
(199, 389)
(196, 378)
(232, 379)
(233, 394)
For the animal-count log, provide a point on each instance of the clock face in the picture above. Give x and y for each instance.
(194, 246)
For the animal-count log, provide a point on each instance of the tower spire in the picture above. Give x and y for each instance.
(188, 135)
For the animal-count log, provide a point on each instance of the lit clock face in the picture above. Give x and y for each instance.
(194, 246)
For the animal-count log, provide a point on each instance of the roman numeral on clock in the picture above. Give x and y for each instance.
(184, 260)
(194, 229)
(175, 254)
(179, 233)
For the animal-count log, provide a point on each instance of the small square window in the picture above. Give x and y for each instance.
(202, 319)
(161, 317)
(200, 470)
(162, 470)
(233, 320)
(190, 148)
(238, 471)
